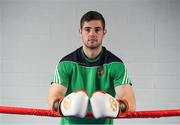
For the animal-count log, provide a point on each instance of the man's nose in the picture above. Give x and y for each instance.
(92, 32)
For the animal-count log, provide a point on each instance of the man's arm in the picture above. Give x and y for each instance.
(126, 92)
(56, 90)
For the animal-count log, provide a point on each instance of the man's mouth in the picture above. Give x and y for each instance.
(92, 39)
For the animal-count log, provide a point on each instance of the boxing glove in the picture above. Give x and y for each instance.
(74, 104)
(104, 105)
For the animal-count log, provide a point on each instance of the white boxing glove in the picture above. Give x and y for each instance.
(104, 105)
(74, 104)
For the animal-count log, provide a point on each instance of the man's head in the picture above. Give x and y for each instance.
(92, 15)
(92, 29)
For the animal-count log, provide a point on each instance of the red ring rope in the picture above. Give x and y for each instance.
(45, 112)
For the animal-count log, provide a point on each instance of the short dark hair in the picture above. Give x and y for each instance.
(92, 15)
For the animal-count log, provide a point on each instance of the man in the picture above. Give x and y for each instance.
(90, 68)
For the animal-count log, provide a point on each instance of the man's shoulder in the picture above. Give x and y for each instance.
(72, 56)
(110, 57)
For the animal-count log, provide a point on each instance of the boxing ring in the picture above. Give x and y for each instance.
(50, 113)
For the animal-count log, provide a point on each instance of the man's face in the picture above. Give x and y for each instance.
(92, 34)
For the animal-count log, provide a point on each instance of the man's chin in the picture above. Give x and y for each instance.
(93, 47)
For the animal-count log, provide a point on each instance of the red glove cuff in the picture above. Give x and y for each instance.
(56, 105)
(123, 107)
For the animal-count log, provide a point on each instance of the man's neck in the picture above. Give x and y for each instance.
(92, 53)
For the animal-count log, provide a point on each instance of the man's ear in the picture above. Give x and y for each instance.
(105, 31)
(80, 31)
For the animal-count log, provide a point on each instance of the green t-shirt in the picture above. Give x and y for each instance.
(76, 72)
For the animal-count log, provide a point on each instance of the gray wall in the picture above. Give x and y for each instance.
(35, 34)
(0, 55)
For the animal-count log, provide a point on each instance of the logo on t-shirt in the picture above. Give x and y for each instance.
(100, 71)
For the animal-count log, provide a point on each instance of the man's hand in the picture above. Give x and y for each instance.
(74, 104)
(104, 105)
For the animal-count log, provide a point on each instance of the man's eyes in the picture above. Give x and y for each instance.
(96, 29)
(87, 29)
